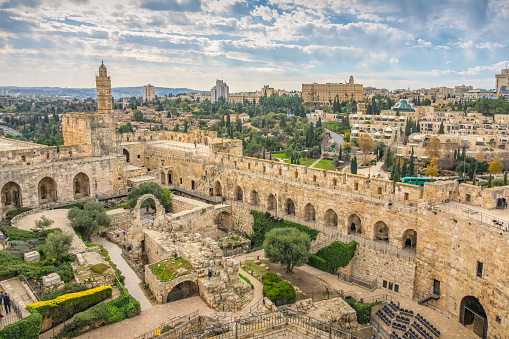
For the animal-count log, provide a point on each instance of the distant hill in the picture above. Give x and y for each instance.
(83, 93)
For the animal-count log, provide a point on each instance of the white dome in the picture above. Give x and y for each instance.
(384, 117)
(377, 133)
(388, 129)
(479, 140)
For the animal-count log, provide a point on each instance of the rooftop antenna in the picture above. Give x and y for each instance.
(102, 62)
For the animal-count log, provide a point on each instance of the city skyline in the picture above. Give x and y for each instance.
(192, 43)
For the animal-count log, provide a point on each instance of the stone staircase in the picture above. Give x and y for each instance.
(8, 319)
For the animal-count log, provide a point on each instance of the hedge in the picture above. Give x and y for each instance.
(110, 312)
(246, 280)
(317, 262)
(363, 310)
(18, 211)
(65, 306)
(26, 328)
(337, 254)
(276, 289)
(262, 225)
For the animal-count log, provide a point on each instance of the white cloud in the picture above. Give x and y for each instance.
(393, 60)
(489, 45)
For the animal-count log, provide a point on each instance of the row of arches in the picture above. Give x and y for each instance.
(381, 231)
(47, 191)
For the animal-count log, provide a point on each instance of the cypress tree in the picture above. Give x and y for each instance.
(505, 178)
(473, 179)
(490, 183)
(411, 166)
(463, 153)
(404, 169)
(441, 129)
(341, 152)
(353, 166)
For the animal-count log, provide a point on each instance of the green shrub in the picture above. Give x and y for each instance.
(26, 328)
(117, 207)
(14, 233)
(262, 225)
(64, 307)
(17, 211)
(246, 280)
(275, 289)
(317, 262)
(99, 268)
(363, 310)
(337, 254)
(113, 311)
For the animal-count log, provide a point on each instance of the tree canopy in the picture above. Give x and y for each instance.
(91, 219)
(287, 246)
(56, 245)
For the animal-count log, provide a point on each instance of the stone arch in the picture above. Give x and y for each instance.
(473, 316)
(238, 194)
(163, 178)
(218, 189)
(159, 216)
(224, 221)
(289, 207)
(81, 185)
(409, 239)
(309, 212)
(183, 290)
(354, 224)
(272, 202)
(254, 198)
(331, 218)
(11, 195)
(126, 154)
(47, 190)
(381, 231)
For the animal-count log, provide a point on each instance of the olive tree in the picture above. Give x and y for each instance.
(90, 219)
(56, 245)
(287, 246)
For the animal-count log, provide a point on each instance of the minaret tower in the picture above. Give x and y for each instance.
(103, 86)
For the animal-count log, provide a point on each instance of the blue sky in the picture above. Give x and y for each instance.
(191, 43)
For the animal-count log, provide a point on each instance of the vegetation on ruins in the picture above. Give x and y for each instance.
(363, 310)
(262, 224)
(166, 270)
(163, 195)
(88, 220)
(287, 246)
(276, 289)
(26, 328)
(57, 244)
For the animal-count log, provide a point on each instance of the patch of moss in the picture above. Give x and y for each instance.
(99, 268)
(166, 270)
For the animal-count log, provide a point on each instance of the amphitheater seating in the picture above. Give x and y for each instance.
(400, 319)
(383, 317)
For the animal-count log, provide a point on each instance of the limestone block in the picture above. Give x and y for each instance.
(32, 257)
(80, 259)
(181, 271)
(51, 280)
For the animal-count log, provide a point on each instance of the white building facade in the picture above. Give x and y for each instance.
(221, 89)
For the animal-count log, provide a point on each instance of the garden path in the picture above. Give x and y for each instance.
(60, 218)
(132, 282)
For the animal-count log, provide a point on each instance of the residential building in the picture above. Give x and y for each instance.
(326, 93)
(502, 83)
(149, 93)
(481, 93)
(221, 89)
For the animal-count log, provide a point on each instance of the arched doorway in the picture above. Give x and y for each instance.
(290, 207)
(184, 290)
(254, 198)
(239, 194)
(272, 203)
(126, 154)
(473, 316)
(309, 212)
(331, 218)
(224, 221)
(218, 189)
(409, 239)
(170, 177)
(354, 224)
(81, 186)
(381, 231)
(163, 178)
(11, 195)
(47, 189)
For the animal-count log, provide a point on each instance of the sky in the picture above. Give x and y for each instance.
(191, 43)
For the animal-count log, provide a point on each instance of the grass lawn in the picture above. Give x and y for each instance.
(166, 270)
(326, 164)
(260, 271)
(303, 162)
(279, 155)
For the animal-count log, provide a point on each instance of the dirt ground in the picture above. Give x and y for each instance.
(307, 283)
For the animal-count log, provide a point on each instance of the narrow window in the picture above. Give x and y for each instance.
(479, 269)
